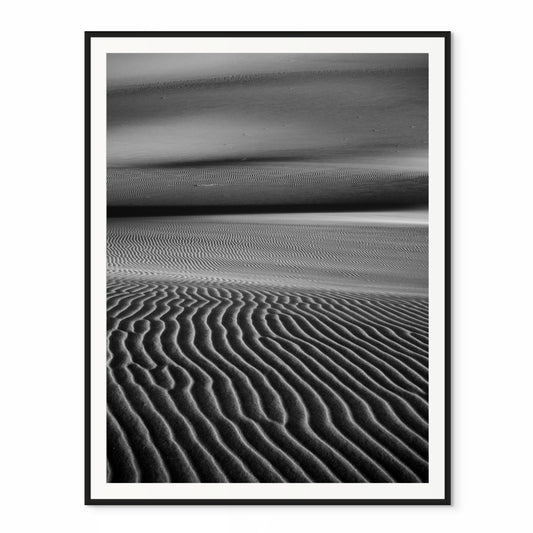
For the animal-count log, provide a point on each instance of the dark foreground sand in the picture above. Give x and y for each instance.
(247, 349)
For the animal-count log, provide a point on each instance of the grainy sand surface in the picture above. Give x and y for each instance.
(246, 350)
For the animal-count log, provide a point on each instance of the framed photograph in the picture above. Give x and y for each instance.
(267, 268)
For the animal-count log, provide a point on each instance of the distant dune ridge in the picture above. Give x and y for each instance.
(266, 185)
(263, 346)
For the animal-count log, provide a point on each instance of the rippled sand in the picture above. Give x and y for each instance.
(246, 349)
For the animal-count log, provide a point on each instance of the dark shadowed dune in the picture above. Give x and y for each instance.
(242, 350)
(264, 185)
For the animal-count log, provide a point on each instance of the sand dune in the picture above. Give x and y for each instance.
(258, 352)
(278, 346)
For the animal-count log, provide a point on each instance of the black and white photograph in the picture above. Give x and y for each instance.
(267, 298)
(266, 267)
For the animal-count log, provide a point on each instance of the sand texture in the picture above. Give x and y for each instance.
(305, 361)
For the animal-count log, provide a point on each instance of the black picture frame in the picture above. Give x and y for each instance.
(446, 500)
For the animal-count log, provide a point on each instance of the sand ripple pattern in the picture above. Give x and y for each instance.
(357, 257)
(232, 384)
(216, 380)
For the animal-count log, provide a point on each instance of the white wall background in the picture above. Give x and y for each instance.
(41, 307)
